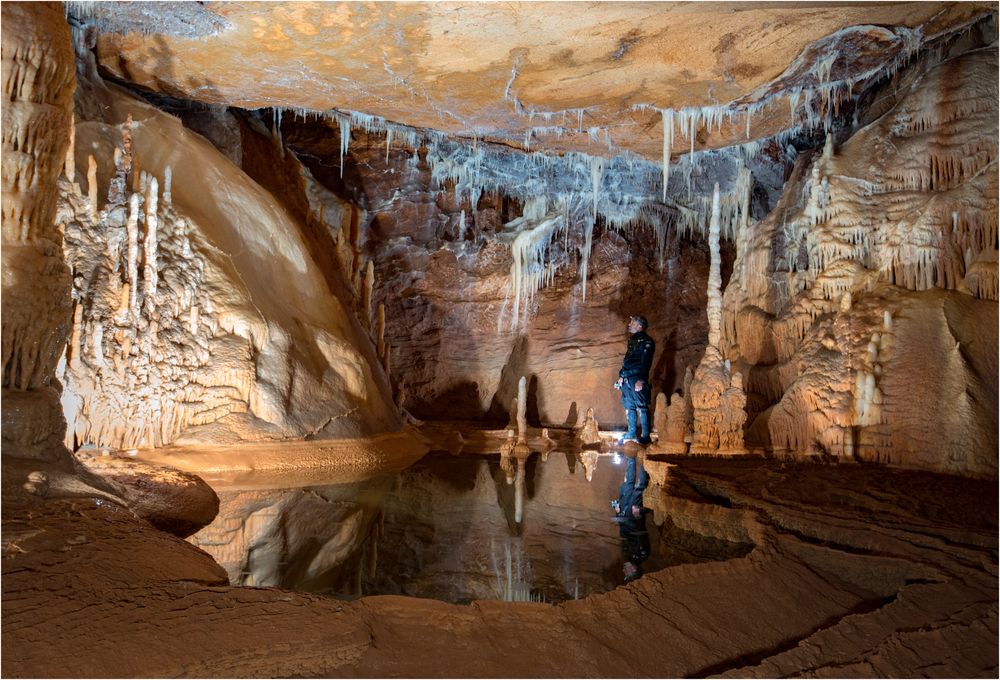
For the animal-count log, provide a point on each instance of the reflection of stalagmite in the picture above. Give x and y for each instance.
(590, 432)
(589, 461)
(506, 456)
(519, 490)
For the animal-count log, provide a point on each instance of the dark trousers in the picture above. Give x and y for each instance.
(636, 405)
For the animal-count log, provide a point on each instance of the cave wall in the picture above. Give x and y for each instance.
(442, 271)
(38, 84)
(863, 309)
(301, 276)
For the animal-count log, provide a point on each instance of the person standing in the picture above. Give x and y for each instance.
(633, 380)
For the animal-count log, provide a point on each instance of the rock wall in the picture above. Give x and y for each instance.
(863, 310)
(443, 265)
(38, 83)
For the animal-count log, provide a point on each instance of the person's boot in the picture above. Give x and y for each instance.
(630, 435)
(644, 438)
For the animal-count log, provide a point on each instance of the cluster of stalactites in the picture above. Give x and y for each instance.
(530, 269)
(142, 322)
(851, 231)
(910, 201)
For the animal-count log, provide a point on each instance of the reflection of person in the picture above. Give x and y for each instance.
(631, 518)
(633, 379)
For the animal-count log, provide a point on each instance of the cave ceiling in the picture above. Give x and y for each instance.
(553, 76)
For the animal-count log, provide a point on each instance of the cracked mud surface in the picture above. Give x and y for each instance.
(857, 571)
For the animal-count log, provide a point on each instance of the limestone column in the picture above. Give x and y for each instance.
(39, 79)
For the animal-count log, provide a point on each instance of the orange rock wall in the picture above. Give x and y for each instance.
(38, 83)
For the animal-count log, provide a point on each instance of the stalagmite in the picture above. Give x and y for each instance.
(75, 337)
(367, 291)
(132, 228)
(380, 329)
(92, 186)
(522, 408)
(590, 432)
(150, 271)
(167, 182)
(717, 396)
(714, 308)
(671, 425)
(69, 167)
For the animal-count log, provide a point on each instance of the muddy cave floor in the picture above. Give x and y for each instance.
(856, 570)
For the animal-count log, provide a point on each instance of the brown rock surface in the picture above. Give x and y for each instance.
(38, 83)
(492, 70)
(852, 574)
(173, 501)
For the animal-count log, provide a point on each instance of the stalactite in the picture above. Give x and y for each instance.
(714, 309)
(668, 139)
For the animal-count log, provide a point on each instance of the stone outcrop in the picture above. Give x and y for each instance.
(898, 223)
(200, 318)
(532, 75)
(38, 77)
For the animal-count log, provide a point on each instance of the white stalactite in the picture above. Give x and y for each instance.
(668, 140)
(714, 308)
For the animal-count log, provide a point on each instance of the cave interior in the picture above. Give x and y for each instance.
(312, 315)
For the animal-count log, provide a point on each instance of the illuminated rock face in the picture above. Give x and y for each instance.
(38, 77)
(539, 75)
(836, 302)
(201, 315)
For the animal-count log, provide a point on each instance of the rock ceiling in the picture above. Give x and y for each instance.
(588, 77)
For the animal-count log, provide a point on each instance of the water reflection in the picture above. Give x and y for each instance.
(457, 528)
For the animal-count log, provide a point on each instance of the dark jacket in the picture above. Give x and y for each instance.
(638, 357)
